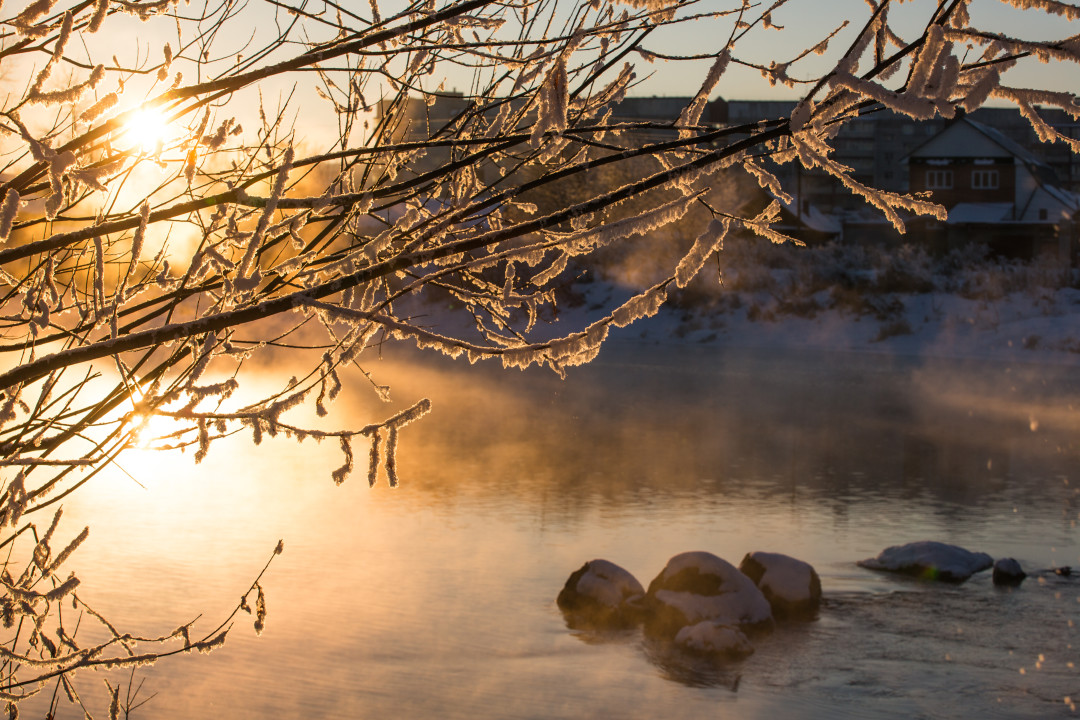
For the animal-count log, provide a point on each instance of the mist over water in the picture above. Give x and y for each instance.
(436, 599)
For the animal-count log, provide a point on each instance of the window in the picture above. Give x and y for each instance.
(938, 179)
(984, 179)
(1043, 214)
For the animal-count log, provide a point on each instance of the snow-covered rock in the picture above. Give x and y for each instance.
(714, 639)
(698, 586)
(930, 560)
(791, 586)
(601, 595)
(1007, 571)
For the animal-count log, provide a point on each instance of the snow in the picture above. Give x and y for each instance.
(608, 584)
(601, 595)
(1039, 325)
(930, 560)
(787, 579)
(1058, 205)
(839, 299)
(812, 217)
(736, 601)
(969, 212)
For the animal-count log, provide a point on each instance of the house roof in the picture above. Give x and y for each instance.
(1056, 205)
(979, 213)
(1069, 199)
(1011, 146)
(812, 218)
(1033, 161)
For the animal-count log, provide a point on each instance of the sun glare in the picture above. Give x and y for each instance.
(147, 129)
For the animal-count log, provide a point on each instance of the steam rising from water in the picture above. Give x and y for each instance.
(437, 598)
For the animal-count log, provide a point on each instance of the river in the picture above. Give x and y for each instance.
(436, 599)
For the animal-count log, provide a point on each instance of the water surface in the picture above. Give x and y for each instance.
(436, 599)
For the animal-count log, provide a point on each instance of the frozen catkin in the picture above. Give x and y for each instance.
(342, 473)
(99, 108)
(248, 276)
(260, 609)
(391, 456)
(31, 13)
(163, 71)
(691, 114)
(114, 702)
(556, 268)
(553, 102)
(374, 458)
(99, 276)
(639, 224)
(101, 9)
(710, 241)
(640, 306)
(204, 440)
(58, 52)
(8, 210)
(139, 239)
(64, 554)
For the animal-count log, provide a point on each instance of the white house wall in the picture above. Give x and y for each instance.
(1027, 188)
(1056, 210)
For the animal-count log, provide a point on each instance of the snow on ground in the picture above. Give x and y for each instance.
(1012, 328)
(1009, 313)
(891, 301)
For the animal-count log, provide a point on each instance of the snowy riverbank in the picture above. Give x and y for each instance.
(1014, 327)
(896, 302)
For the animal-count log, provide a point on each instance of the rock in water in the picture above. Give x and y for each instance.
(601, 595)
(930, 561)
(1008, 572)
(698, 586)
(715, 640)
(791, 586)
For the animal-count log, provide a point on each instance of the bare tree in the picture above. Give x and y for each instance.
(168, 214)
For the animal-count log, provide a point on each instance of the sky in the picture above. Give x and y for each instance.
(805, 22)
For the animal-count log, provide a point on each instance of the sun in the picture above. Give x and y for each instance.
(147, 129)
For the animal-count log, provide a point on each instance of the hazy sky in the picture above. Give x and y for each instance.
(806, 22)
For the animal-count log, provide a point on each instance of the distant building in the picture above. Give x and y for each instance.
(803, 221)
(996, 192)
(1007, 189)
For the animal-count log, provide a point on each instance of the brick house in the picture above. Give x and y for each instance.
(996, 191)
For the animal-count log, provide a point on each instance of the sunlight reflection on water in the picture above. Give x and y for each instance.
(437, 599)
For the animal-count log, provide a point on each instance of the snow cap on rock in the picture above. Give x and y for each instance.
(698, 586)
(601, 594)
(930, 561)
(791, 586)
